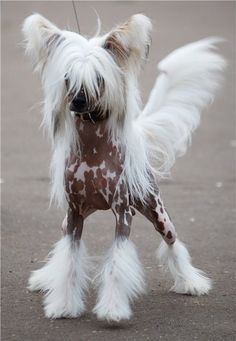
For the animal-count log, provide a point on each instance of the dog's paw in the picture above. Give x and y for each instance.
(57, 308)
(197, 286)
(113, 313)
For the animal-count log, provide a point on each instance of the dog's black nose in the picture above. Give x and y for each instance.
(79, 103)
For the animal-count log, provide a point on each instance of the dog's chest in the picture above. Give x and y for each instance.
(91, 179)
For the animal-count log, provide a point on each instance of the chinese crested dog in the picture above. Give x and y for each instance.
(109, 152)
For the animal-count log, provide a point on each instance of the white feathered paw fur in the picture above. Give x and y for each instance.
(64, 279)
(187, 279)
(120, 281)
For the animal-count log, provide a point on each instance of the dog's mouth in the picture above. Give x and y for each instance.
(90, 114)
(80, 112)
(86, 116)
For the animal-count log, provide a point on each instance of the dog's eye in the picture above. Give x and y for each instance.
(66, 82)
(82, 91)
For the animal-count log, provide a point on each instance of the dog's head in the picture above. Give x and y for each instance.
(87, 75)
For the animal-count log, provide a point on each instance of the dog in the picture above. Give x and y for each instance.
(109, 153)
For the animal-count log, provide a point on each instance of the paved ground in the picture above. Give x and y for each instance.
(200, 198)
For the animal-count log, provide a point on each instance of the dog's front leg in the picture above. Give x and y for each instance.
(121, 277)
(64, 278)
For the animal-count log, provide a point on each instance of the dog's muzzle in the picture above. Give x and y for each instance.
(79, 104)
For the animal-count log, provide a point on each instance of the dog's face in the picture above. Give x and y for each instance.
(87, 75)
(80, 102)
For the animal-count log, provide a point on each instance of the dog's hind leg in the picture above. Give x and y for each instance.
(172, 252)
(121, 277)
(64, 278)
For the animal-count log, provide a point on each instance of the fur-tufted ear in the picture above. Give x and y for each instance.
(130, 41)
(40, 35)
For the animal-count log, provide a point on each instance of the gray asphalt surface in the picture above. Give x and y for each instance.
(200, 197)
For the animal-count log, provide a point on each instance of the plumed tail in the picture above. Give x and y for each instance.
(188, 81)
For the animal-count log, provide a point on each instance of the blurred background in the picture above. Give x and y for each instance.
(200, 197)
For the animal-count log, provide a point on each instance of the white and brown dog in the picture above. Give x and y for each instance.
(108, 153)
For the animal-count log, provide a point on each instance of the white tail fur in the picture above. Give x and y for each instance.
(188, 279)
(64, 279)
(188, 81)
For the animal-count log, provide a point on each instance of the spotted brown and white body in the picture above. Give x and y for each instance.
(108, 153)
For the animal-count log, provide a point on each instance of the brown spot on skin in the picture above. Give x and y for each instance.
(104, 171)
(99, 173)
(80, 185)
(162, 223)
(104, 183)
(110, 196)
(169, 235)
(152, 202)
(160, 226)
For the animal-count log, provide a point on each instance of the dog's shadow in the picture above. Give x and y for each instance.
(113, 326)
